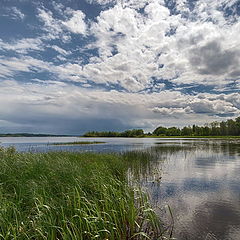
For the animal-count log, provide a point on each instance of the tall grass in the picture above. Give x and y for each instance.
(75, 196)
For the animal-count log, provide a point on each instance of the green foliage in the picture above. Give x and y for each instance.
(127, 133)
(160, 131)
(227, 128)
(72, 196)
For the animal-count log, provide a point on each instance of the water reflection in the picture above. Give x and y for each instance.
(201, 183)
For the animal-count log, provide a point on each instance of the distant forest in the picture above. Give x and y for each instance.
(128, 133)
(225, 128)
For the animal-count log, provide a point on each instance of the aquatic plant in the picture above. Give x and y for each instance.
(63, 195)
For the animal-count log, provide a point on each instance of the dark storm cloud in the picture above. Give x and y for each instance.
(212, 59)
(64, 125)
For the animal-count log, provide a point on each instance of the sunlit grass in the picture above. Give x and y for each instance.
(63, 195)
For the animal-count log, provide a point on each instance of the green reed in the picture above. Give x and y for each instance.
(72, 196)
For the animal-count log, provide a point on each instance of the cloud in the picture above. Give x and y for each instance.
(175, 48)
(16, 13)
(22, 46)
(126, 58)
(172, 111)
(212, 107)
(13, 13)
(139, 49)
(47, 104)
(144, 61)
(211, 59)
(76, 23)
(60, 50)
(70, 20)
(9, 67)
(51, 25)
(208, 104)
(102, 2)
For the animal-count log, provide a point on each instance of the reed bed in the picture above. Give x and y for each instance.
(73, 196)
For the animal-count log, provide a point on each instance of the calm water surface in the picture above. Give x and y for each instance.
(198, 178)
(43, 144)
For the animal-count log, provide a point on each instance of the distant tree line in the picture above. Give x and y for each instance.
(225, 128)
(127, 133)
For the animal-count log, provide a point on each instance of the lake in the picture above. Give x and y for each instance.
(198, 178)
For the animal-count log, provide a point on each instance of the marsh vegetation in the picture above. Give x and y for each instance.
(63, 195)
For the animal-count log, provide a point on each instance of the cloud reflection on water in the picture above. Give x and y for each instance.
(200, 182)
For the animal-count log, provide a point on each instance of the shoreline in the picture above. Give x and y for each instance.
(178, 137)
(77, 136)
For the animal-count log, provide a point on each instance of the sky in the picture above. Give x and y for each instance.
(67, 67)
